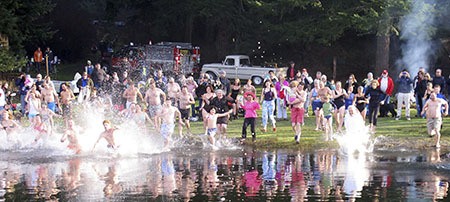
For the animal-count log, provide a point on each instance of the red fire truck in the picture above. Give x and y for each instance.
(172, 57)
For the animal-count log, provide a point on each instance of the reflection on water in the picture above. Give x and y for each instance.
(226, 176)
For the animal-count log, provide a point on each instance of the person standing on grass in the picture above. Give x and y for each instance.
(432, 110)
(250, 106)
(281, 104)
(297, 102)
(376, 97)
(405, 88)
(268, 96)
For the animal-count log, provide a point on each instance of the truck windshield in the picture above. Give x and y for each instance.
(245, 62)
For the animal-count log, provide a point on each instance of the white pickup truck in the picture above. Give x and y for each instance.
(239, 66)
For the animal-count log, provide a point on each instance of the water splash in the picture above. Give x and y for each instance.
(356, 138)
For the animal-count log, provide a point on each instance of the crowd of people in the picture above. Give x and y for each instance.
(165, 102)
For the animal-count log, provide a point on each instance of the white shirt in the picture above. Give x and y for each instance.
(384, 84)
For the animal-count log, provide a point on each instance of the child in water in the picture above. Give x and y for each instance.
(211, 123)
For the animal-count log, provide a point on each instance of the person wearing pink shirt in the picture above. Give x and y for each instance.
(250, 106)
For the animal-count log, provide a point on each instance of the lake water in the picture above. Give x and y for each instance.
(240, 174)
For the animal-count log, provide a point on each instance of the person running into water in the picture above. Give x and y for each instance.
(360, 101)
(433, 111)
(328, 110)
(131, 94)
(71, 134)
(39, 127)
(211, 123)
(186, 100)
(376, 98)
(108, 135)
(250, 106)
(168, 114)
(49, 97)
(153, 101)
(297, 103)
(66, 100)
(47, 117)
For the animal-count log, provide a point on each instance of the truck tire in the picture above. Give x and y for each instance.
(212, 75)
(257, 80)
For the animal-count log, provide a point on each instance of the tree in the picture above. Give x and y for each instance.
(22, 22)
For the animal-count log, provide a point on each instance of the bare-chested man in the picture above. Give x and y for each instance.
(131, 94)
(173, 89)
(71, 134)
(66, 100)
(49, 97)
(108, 135)
(168, 114)
(433, 111)
(186, 100)
(153, 101)
(297, 102)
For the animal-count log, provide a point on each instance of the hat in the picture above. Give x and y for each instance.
(250, 93)
(221, 72)
(385, 72)
(89, 62)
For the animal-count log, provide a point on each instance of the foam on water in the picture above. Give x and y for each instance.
(130, 138)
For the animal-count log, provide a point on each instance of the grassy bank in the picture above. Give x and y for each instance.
(401, 134)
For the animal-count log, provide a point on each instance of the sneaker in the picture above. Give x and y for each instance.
(253, 138)
(408, 118)
(397, 118)
(297, 139)
(274, 129)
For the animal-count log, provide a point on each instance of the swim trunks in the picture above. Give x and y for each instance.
(167, 130)
(211, 131)
(184, 113)
(153, 110)
(433, 123)
(297, 115)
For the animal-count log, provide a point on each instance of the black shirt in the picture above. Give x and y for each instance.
(376, 96)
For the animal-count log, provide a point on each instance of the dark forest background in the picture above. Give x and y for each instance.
(361, 35)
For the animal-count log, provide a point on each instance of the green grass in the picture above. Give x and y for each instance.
(401, 133)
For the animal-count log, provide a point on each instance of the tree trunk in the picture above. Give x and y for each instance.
(382, 57)
(334, 67)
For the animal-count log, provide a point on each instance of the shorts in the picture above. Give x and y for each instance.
(185, 113)
(153, 110)
(222, 120)
(66, 110)
(316, 104)
(167, 130)
(51, 106)
(31, 115)
(433, 124)
(211, 131)
(327, 117)
(297, 115)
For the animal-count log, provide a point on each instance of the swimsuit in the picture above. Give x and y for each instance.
(360, 106)
(167, 129)
(339, 101)
(211, 131)
(184, 113)
(153, 110)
